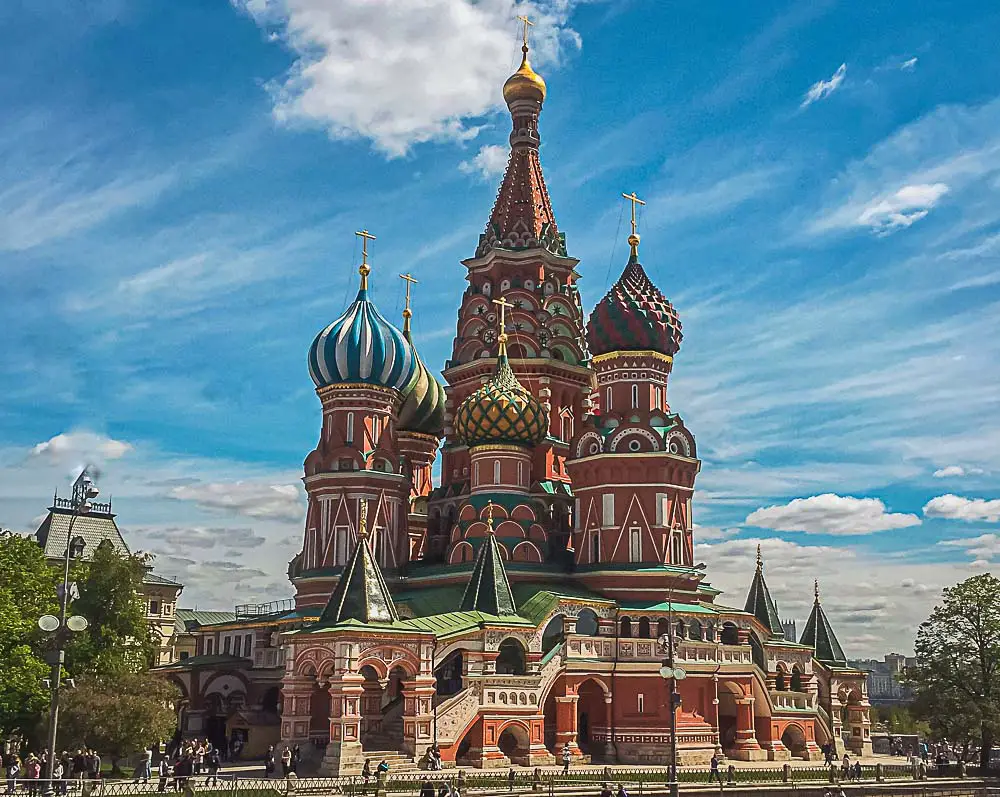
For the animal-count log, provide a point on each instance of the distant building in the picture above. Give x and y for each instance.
(884, 686)
(159, 593)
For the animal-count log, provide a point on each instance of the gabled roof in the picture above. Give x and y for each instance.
(761, 605)
(489, 590)
(818, 634)
(361, 593)
(94, 527)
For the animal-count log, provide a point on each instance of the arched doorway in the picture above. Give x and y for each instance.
(319, 713)
(215, 721)
(381, 709)
(591, 717)
(729, 693)
(795, 740)
(554, 633)
(514, 743)
(512, 658)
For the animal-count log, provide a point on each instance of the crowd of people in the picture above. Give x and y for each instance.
(181, 764)
(30, 770)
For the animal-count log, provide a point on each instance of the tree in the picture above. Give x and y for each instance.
(27, 591)
(957, 678)
(118, 638)
(900, 720)
(118, 714)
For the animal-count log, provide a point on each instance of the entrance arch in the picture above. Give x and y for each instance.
(794, 738)
(514, 742)
(591, 717)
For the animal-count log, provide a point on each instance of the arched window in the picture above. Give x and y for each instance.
(710, 633)
(626, 627)
(567, 426)
(695, 631)
(349, 434)
(662, 627)
(796, 679)
(779, 681)
(511, 660)
(554, 633)
(644, 628)
(586, 623)
(595, 546)
(496, 471)
(680, 629)
(635, 396)
(607, 401)
(730, 634)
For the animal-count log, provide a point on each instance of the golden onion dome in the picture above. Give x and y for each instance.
(524, 84)
(502, 411)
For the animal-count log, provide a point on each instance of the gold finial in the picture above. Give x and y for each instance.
(816, 589)
(760, 559)
(407, 312)
(364, 269)
(633, 239)
(527, 23)
(489, 516)
(502, 338)
(363, 519)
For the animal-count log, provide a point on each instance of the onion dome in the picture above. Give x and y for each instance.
(423, 402)
(525, 83)
(502, 411)
(634, 315)
(362, 347)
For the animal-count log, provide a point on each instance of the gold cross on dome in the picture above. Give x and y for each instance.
(635, 201)
(527, 23)
(407, 312)
(364, 269)
(504, 304)
(363, 519)
(489, 516)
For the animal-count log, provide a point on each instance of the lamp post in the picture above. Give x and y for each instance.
(83, 491)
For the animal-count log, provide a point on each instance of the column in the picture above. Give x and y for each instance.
(418, 714)
(566, 726)
(343, 753)
(610, 751)
(747, 748)
(296, 710)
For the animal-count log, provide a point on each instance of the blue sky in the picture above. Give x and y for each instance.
(180, 184)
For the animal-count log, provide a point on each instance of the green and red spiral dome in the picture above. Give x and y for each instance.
(634, 316)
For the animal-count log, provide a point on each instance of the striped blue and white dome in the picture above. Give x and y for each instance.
(362, 347)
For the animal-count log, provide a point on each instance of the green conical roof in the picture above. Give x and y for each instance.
(361, 594)
(818, 634)
(760, 604)
(422, 409)
(488, 591)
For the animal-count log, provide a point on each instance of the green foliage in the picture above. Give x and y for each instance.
(27, 591)
(118, 638)
(118, 714)
(901, 719)
(957, 679)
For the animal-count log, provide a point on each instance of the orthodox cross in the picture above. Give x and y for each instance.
(407, 312)
(527, 23)
(364, 269)
(363, 520)
(489, 516)
(760, 559)
(635, 201)
(504, 304)
(816, 589)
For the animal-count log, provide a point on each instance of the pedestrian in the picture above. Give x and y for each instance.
(286, 762)
(856, 770)
(32, 773)
(366, 772)
(605, 790)
(443, 790)
(730, 774)
(382, 769)
(142, 772)
(94, 769)
(213, 762)
(57, 777)
(621, 791)
(13, 771)
(426, 788)
(268, 761)
(511, 777)
(566, 757)
(713, 773)
(845, 768)
(296, 759)
(164, 772)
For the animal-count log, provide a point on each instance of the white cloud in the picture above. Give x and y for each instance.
(909, 64)
(490, 161)
(254, 499)
(902, 208)
(80, 446)
(955, 507)
(382, 70)
(956, 471)
(831, 514)
(824, 88)
(984, 548)
(707, 533)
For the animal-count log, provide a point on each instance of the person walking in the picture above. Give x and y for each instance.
(95, 765)
(566, 758)
(366, 772)
(605, 790)
(713, 773)
(621, 791)
(213, 762)
(142, 772)
(268, 762)
(443, 790)
(13, 771)
(296, 759)
(427, 788)
(286, 762)
(164, 773)
(57, 777)
(511, 777)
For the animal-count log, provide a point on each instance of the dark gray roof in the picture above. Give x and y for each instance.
(818, 634)
(361, 594)
(488, 590)
(761, 605)
(53, 534)
(153, 578)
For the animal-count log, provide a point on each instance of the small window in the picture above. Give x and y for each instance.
(520, 474)
(642, 702)
(154, 607)
(247, 644)
(607, 400)
(349, 434)
(595, 546)
(475, 471)
(635, 396)
(227, 644)
(635, 544)
(496, 471)
(209, 646)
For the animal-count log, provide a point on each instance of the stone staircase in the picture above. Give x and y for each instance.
(397, 761)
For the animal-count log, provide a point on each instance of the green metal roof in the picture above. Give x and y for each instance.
(361, 593)
(488, 589)
(761, 605)
(667, 607)
(195, 617)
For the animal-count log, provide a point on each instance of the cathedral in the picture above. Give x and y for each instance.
(526, 603)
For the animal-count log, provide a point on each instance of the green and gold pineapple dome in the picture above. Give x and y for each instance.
(502, 411)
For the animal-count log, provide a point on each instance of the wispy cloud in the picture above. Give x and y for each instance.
(280, 501)
(909, 64)
(822, 89)
(905, 206)
(956, 471)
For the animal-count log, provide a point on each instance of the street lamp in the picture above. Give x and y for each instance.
(673, 674)
(84, 490)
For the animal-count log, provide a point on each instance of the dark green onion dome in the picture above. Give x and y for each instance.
(423, 402)
(502, 411)
(634, 316)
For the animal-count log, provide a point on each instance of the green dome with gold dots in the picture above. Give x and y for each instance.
(502, 411)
